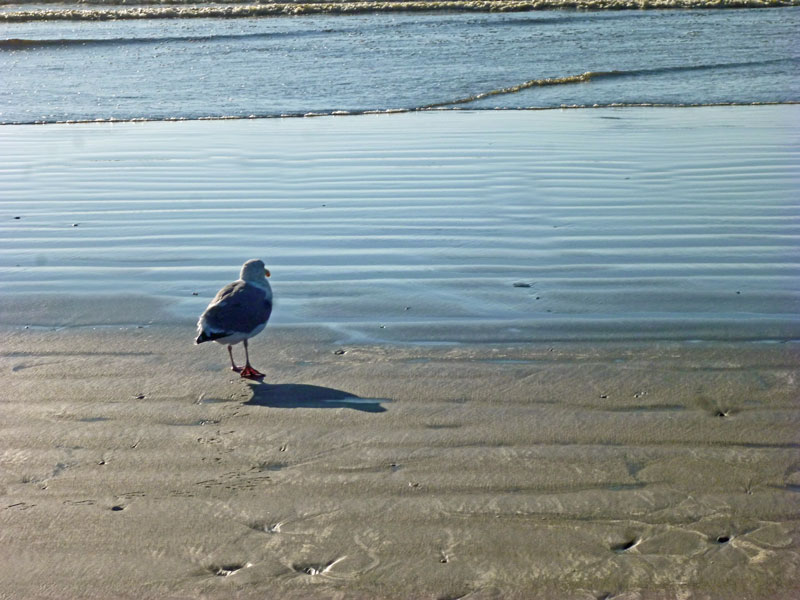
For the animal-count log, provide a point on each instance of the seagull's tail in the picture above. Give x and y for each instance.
(203, 337)
(210, 336)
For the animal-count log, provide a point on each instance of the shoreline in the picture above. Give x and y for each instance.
(397, 111)
(23, 314)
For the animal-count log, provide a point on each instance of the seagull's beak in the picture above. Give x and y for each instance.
(266, 272)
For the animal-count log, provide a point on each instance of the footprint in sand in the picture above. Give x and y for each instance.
(625, 546)
(228, 569)
(266, 527)
(316, 568)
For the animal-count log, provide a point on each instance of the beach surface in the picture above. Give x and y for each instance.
(534, 354)
(138, 466)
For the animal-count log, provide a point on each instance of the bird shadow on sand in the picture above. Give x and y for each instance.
(298, 395)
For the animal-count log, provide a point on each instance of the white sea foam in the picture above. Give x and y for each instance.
(115, 10)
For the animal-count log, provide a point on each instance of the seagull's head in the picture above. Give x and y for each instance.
(254, 271)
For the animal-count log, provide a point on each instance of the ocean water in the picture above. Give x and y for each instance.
(55, 71)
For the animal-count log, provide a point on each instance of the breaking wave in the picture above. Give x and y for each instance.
(177, 9)
(451, 104)
(595, 75)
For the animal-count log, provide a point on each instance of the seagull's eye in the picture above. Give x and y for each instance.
(266, 272)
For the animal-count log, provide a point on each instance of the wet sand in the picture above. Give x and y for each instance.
(499, 226)
(560, 366)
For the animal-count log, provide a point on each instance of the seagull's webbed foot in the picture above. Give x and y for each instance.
(250, 373)
(236, 369)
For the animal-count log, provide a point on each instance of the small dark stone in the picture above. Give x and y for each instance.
(116, 508)
(139, 396)
(195, 294)
(723, 539)
(521, 284)
(17, 218)
(75, 224)
(339, 352)
(604, 396)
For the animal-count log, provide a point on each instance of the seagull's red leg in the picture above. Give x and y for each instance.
(248, 370)
(233, 364)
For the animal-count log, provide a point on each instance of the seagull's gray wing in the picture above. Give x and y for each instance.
(239, 307)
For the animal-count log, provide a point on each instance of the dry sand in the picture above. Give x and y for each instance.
(134, 465)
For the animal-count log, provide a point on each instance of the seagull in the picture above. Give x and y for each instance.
(239, 311)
